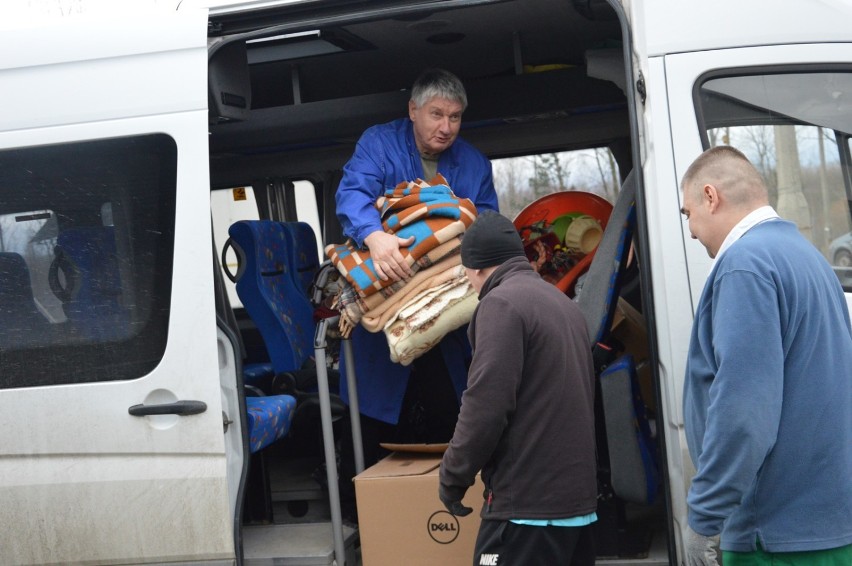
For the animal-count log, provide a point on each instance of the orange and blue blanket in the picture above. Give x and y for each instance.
(429, 211)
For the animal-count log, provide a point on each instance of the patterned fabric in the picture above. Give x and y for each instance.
(429, 280)
(304, 258)
(429, 211)
(282, 312)
(269, 419)
(422, 322)
(353, 307)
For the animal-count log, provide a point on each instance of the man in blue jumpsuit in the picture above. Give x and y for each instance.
(419, 146)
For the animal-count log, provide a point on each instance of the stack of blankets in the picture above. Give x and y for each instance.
(416, 313)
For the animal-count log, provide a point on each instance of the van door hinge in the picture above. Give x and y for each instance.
(226, 421)
(640, 88)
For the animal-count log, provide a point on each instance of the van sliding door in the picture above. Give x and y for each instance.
(110, 403)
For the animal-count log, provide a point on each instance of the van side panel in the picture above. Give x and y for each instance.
(83, 480)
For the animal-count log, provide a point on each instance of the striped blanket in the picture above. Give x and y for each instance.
(429, 211)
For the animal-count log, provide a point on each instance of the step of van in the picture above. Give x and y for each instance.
(657, 554)
(293, 479)
(306, 544)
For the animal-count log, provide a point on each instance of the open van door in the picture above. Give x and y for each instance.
(110, 402)
(784, 106)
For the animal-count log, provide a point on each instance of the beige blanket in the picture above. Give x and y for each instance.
(424, 320)
(378, 316)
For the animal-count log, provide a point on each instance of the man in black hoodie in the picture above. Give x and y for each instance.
(527, 416)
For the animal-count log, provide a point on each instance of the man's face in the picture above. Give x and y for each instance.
(697, 209)
(436, 124)
(476, 278)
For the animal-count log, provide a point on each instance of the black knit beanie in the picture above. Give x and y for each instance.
(490, 240)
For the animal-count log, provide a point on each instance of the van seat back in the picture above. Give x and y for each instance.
(304, 259)
(91, 289)
(624, 419)
(267, 288)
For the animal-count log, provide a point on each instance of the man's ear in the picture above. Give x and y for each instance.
(412, 106)
(711, 196)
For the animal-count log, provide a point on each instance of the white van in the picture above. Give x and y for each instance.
(125, 126)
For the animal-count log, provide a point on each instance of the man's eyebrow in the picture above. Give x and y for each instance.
(684, 212)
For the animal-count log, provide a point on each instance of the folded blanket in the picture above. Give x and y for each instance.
(447, 271)
(353, 307)
(424, 321)
(429, 212)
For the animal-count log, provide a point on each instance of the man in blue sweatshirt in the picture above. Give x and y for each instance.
(768, 390)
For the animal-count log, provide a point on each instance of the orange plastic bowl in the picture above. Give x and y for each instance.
(550, 207)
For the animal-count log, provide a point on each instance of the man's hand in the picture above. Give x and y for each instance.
(451, 498)
(457, 508)
(700, 550)
(384, 251)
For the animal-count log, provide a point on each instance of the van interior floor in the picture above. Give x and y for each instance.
(300, 533)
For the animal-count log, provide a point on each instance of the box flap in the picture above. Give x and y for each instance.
(402, 464)
(420, 448)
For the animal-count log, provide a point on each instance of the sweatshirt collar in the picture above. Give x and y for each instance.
(507, 269)
(752, 219)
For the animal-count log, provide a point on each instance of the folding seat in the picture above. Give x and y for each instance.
(626, 449)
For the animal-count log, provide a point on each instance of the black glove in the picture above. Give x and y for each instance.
(457, 509)
(451, 498)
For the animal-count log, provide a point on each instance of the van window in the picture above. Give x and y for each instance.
(229, 206)
(240, 203)
(86, 249)
(520, 181)
(307, 210)
(794, 127)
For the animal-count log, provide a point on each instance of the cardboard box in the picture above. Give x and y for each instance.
(402, 521)
(628, 326)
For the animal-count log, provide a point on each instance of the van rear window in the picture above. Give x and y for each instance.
(86, 250)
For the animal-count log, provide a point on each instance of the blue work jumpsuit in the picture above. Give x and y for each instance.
(385, 156)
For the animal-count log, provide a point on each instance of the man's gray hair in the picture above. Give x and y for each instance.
(441, 83)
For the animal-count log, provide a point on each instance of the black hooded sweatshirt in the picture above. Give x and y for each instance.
(527, 416)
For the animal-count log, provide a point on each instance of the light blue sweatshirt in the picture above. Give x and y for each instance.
(768, 398)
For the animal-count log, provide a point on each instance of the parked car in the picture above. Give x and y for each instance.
(840, 251)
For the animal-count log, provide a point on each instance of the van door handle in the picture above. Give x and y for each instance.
(182, 408)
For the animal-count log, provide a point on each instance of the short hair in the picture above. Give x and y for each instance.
(438, 82)
(730, 171)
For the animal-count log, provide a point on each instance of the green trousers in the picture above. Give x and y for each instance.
(832, 557)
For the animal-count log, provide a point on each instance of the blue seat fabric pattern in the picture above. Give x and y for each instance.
(267, 288)
(282, 313)
(304, 259)
(269, 419)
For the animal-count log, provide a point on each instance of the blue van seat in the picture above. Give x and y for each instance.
(305, 260)
(91, 293)
(269, 419)
(267, 288)
(23, 324)
(598, 295)
(303, 265)
(624, 416)
(626, 419)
